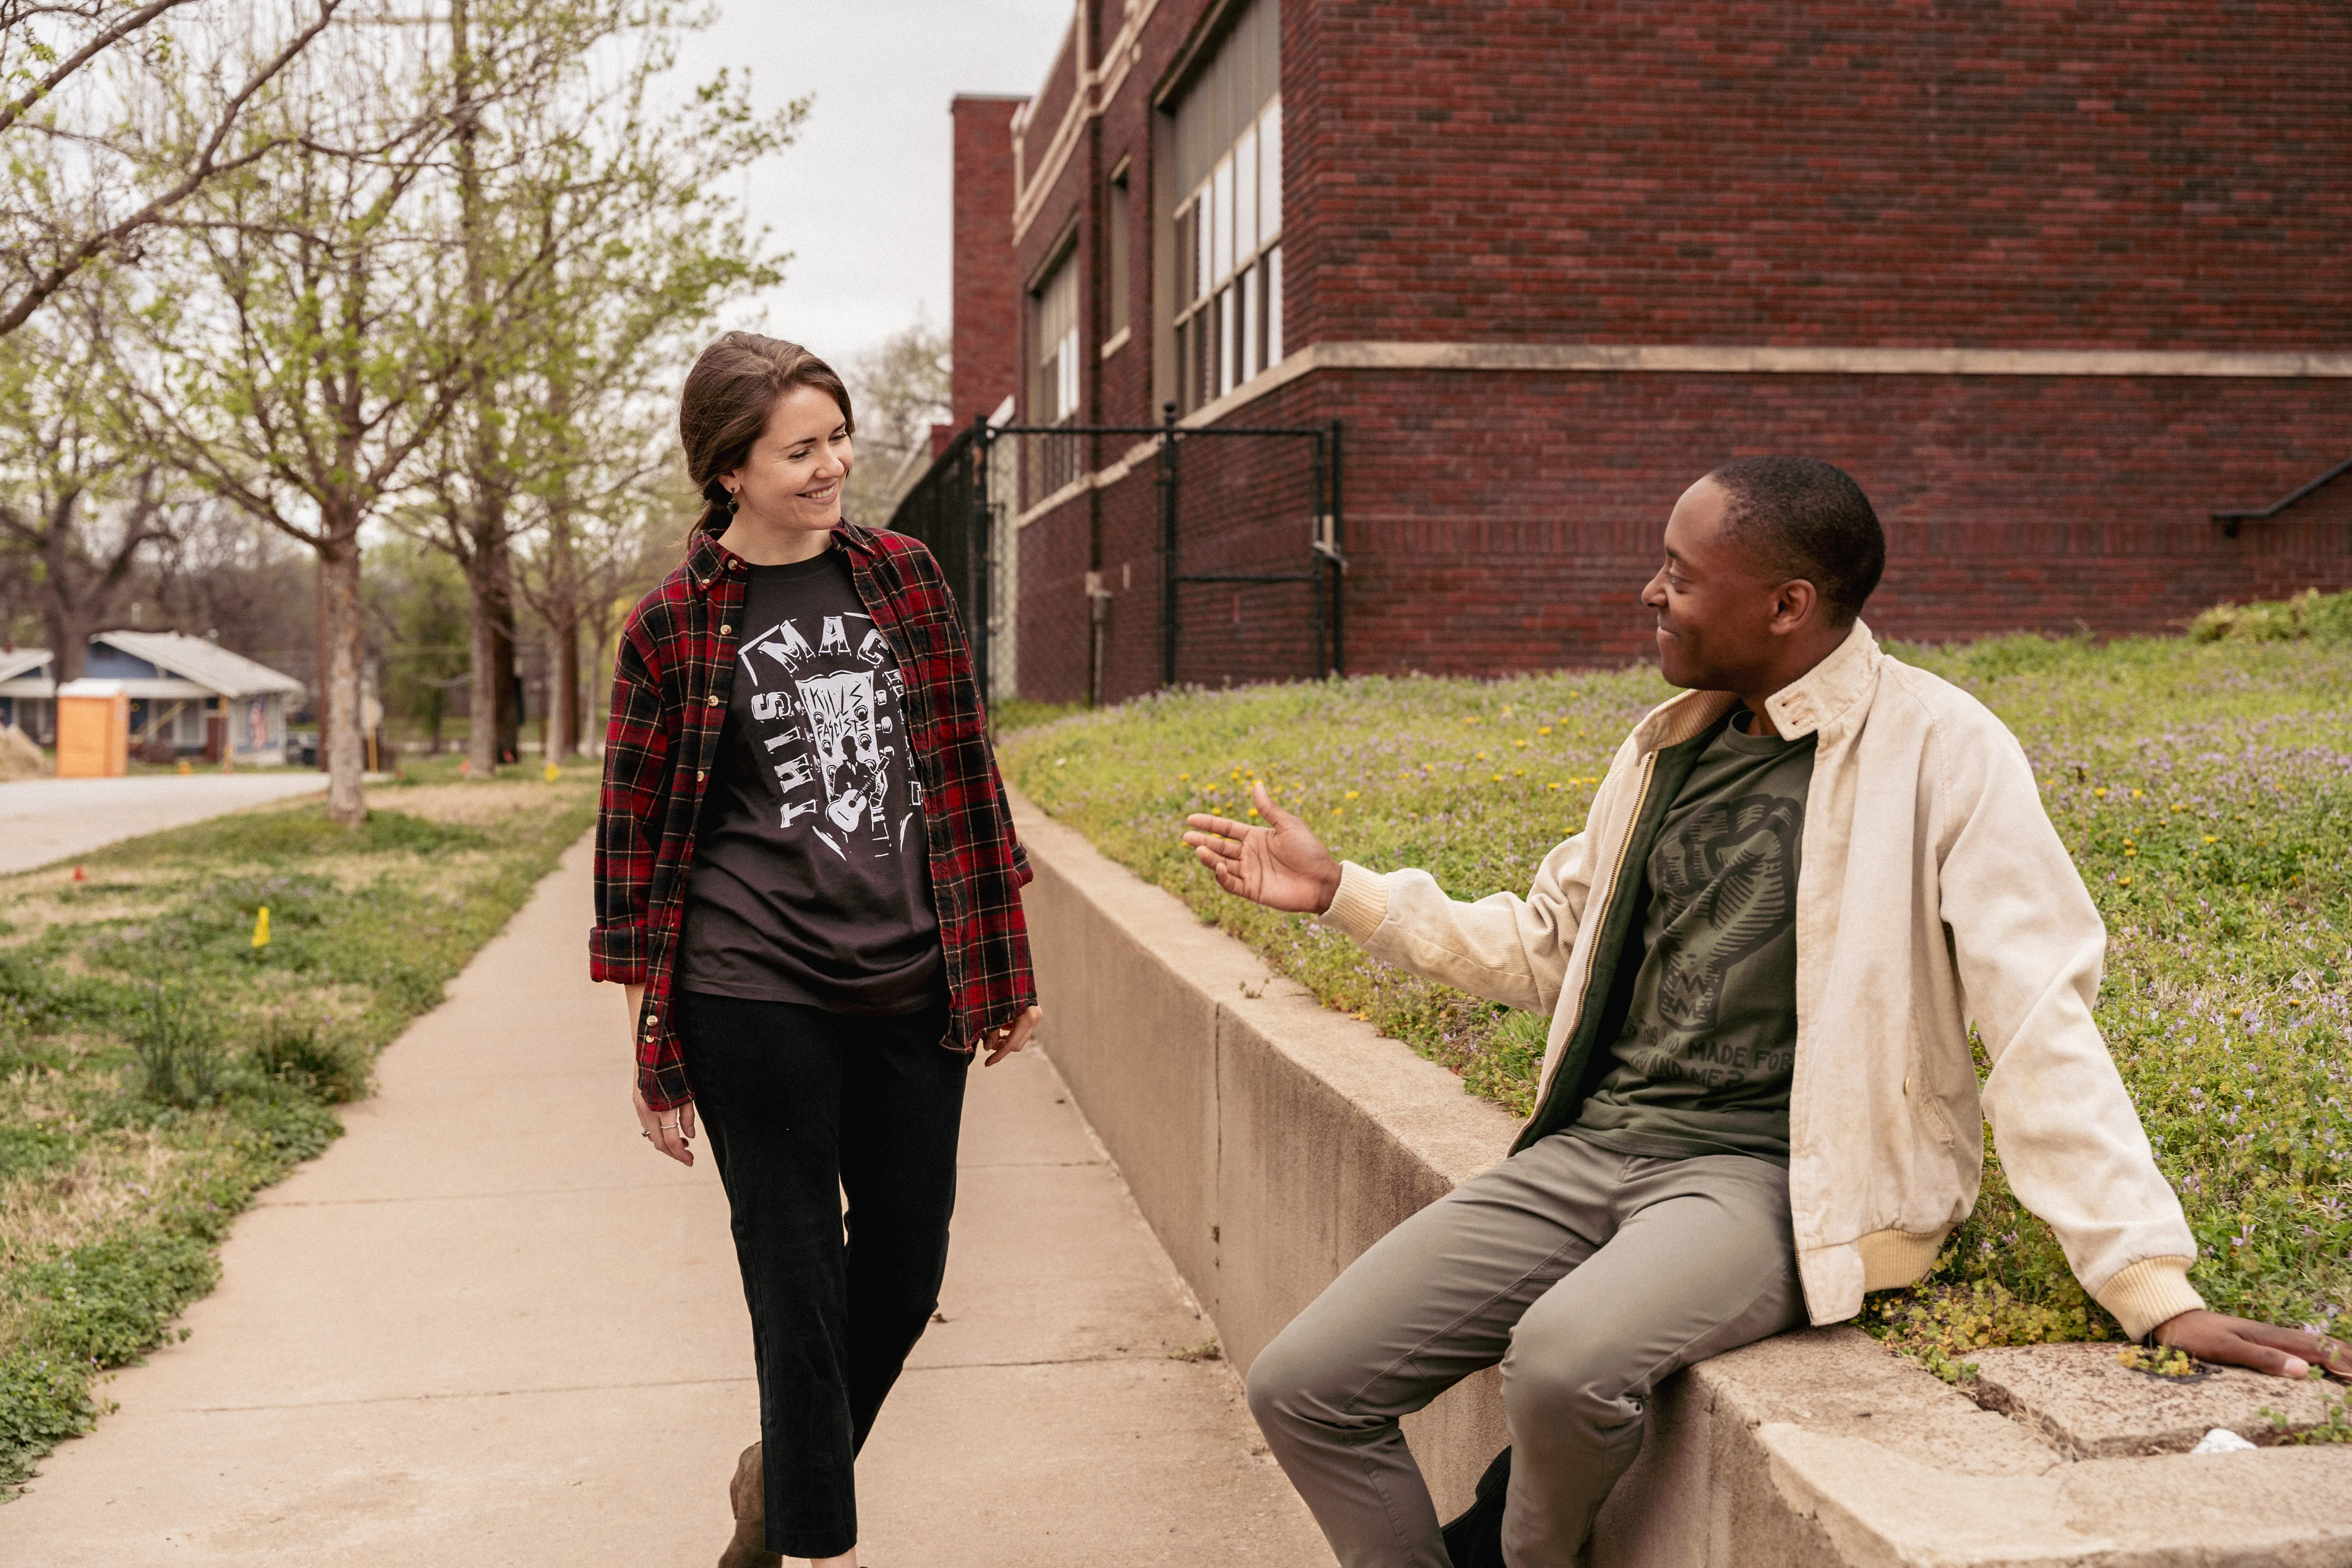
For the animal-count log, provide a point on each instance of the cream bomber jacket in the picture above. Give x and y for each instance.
(1934, 893)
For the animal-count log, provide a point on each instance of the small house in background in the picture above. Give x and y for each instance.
(188, 695)
(28, 690)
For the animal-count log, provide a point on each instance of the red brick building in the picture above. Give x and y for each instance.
(2056, 280)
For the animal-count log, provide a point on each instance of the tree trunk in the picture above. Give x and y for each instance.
(341, 744)
(566, 683)
(510, 715)
(491, 691)
(69, 627)
(318, 703)
(77, 598)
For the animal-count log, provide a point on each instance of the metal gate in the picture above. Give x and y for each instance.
(1252, 519)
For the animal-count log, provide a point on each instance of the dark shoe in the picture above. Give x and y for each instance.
(1476, 1540)
(748, 1494)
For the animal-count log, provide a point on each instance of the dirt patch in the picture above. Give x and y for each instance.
(481, 805)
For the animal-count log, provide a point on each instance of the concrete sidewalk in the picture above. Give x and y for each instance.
(490, 1327)
(43, 820)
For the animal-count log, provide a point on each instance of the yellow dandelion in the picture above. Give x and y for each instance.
(2130, 852)
(1552, 785)
(2177, 806)
(2210, 840)
(2134, 794)
(1351, 795)
(1482, 756)
(1253, 811)
(1180, 777)
(1498, 778)
(2123, 881)
(2101, 792)
(1543, 729)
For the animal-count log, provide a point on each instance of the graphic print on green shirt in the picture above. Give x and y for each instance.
(1703, 1064)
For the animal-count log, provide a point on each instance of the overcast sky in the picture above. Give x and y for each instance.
(862, 199)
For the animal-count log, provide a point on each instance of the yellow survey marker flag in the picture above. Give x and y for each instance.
(261, 928)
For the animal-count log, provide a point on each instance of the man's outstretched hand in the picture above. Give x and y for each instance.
(1281, 865)
(2241, 1341)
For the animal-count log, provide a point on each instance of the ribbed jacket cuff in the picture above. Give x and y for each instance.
(1360, 904)
(2152, 1291)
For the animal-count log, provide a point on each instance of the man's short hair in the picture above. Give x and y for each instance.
(1801, 517)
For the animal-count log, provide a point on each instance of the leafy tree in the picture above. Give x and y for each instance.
(418, 609)
(592, 236)
(298, 353)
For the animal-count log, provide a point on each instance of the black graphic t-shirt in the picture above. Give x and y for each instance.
(1704, 1061)
(810, 881)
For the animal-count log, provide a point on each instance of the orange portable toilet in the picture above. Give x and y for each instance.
(93, 729)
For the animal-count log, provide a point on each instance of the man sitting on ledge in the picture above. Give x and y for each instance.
(1801, 881)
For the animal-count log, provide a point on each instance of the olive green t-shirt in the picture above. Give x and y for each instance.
(1703, 1063)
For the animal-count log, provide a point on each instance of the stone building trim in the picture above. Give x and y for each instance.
(1713, 359)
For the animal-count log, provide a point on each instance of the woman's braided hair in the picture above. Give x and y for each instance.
(730, 392)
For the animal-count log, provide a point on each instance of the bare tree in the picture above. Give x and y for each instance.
(900, 387)
(79, 502)
(112, 121)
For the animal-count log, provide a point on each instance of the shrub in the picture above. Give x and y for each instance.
(2321, 617)
(177, 1044)
(291, 1050)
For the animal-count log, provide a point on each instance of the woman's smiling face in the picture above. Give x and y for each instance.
(791, 478)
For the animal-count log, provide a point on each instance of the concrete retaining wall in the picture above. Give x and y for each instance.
(1270, 1141)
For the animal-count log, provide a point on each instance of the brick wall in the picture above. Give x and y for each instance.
(985, 329)
(1506, 523)
(2010, 503)
(2051, 174)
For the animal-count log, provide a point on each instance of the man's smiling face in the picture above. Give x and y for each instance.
(1715, 607)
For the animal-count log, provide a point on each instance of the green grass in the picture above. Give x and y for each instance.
(157, 1069)
(2204, 784)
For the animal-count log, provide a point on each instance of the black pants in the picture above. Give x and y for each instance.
(802, 1107)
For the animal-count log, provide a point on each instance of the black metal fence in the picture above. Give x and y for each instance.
(948, 510)
(1250, 520)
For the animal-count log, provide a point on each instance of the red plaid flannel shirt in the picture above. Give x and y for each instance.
(670, 684)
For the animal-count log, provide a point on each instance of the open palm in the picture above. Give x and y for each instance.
(1282, 865)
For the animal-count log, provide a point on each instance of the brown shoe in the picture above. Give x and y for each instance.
(748, 1493)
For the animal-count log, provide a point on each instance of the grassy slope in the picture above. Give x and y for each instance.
(2205, 788)
(155, 1070)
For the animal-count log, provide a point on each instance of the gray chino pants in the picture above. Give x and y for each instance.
(1590, 1276)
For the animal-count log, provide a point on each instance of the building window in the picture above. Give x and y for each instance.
(1228, 213)
(1053, 378)
(1052, 461)
(1117, 217)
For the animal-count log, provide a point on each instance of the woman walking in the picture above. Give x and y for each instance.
(807, 878)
